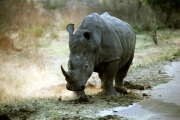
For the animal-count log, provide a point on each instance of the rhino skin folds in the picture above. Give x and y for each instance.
(102, 44)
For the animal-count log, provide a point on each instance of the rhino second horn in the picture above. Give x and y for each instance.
(64, 72)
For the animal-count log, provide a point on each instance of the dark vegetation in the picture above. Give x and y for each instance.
(30, 19)
(144, 15)
(169, 8)
(22, 18)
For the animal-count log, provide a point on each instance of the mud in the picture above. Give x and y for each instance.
(55, 108)
(163, 102)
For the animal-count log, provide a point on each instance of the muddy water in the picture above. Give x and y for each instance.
(163, 103)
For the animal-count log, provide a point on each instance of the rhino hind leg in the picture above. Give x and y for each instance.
(121, 74)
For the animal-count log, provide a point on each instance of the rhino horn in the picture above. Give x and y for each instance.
(66, 74)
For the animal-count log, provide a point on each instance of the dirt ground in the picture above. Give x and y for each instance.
(54, 105)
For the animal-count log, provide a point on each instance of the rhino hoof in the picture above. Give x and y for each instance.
(84, 99)
(122, 90)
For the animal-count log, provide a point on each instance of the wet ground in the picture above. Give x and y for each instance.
(29, 92)
(160, 102)
(163, 102)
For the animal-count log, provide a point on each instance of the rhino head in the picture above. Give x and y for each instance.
(81, 59)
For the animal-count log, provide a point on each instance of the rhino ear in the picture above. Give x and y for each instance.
(87, 35)
(70, 29)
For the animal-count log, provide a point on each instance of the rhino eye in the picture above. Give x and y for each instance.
(71, 66)
(87, 35)
(86, 66)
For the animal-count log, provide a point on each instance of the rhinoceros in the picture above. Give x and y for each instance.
(102, 44)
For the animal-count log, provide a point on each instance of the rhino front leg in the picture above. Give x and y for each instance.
(82, 97)
(107, 77)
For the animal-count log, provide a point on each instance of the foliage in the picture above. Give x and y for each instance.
(43, 42)
(137, 28)
(20, 15)
(168, 7)
(165, 5)
(9, 14)
(50, 6)
(54, 35)
(136, 12)
(23, 18)
(147, 53)
(177, 53)
(34, 32)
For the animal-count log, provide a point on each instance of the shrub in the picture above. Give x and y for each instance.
(54, 35)
(43, 42)
(137, 28)
(177, 53)
(33, 32)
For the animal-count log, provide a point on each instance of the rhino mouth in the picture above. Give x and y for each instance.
(74, 88)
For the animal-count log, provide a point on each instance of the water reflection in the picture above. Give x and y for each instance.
(163, 104)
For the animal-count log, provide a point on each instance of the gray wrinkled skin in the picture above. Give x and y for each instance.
(102, 44)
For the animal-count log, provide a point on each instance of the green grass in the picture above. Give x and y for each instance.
(43, 42)
(177, 53)
(54, 35)
(147, 53)
(143, 41)
(56, 49)
(59, 49)
(37, 31)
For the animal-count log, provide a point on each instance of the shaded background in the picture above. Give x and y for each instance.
(143, 15)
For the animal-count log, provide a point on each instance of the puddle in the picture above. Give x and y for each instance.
(169, 92)
(164, 103)
(134, 111)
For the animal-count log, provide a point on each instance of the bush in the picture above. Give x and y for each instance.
(137, 28)
(38, 31)
(177, 53)
(160, 26)
(34, 32)
(54, 35)
(51, 6)
(43, 42)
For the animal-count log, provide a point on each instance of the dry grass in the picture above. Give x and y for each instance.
(23, 81)
(147, 53)
(35, 71)
(19, 79)
(68, 19)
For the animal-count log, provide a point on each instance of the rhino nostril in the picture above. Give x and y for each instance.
(68, 87)
(83, 87)
(75, 88)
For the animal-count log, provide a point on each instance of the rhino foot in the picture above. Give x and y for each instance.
(109, 92)
(122, 89)
(83, 98)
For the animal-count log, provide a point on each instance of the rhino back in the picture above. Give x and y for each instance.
(117, 36)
